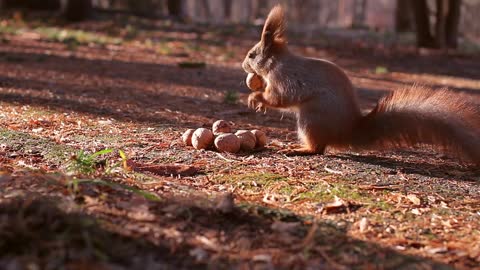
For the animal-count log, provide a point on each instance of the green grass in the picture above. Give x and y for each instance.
(231, 97)
(24, 143)
(320, 192)
(272, 213)
(253, 181)
(75, 37)
(83, 163)
(71, 38)
(381, 70)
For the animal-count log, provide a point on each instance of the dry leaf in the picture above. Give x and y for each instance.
(414, 199)
(363, 224)
(337, 206)
(415, 211)
(437, 250)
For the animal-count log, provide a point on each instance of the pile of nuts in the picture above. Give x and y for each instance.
(223, 139)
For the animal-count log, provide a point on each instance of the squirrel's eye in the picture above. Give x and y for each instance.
(251, 55)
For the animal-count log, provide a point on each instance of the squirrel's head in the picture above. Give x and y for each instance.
(272, 43)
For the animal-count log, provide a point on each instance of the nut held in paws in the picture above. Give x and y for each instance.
(254, 82)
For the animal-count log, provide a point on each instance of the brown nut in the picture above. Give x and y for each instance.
(261, 138)
(254, 82)
(221, 126)
(227, 143)
(187, 137)
(202, 138)
(247, 140)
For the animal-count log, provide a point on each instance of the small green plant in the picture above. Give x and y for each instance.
(192, 64)
(131, 32)
(230, 97)
(84, 163)
(381, 70)
(164, 49)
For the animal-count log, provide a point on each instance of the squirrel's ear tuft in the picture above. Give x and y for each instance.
(273, 35)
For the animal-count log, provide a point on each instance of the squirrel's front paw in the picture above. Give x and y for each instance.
(255, 101)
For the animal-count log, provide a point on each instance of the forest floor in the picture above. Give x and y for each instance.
(93, 173)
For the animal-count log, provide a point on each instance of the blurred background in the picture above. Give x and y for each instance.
(429, 24)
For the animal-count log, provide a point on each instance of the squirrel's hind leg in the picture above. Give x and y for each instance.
(311, 146)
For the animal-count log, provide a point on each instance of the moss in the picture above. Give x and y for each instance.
(255, 182)
(24, 143)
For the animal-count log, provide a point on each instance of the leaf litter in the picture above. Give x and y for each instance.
(162, 204)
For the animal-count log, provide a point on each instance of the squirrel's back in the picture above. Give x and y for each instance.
(309, 78)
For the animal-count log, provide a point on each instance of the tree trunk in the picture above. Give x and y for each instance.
(403, 19)
(32, 4)
(144, 8)
(261, 9)
(451, 24)
(206, 9)
(227, 10)
(441, 18)
(422, 23)
(77, 10)
(359, 13)
(175, 8)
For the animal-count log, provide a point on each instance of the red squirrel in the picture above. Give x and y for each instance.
(323, 99)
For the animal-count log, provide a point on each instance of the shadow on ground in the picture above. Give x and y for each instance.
(133, 91)
(176, 232)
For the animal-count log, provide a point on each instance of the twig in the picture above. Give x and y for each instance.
(307, 241)
(330, 261)
(332, 171)
(224, 158)
(380, 187)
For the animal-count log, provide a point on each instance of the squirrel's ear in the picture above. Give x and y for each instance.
(273, 35)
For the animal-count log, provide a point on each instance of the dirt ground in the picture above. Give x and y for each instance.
(149, 202)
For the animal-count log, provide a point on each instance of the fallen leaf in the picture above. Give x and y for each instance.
(337, 206)
(414, 199)
(363, 224)
(415, 211)
(437, 250)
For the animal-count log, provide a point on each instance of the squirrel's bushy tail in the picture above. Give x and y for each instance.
(417, 115)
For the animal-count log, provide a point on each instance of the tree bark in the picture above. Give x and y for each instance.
(403, 19)
(206, 9)
(175, 8)
(359, 13)
(77, 10)
(441, 18)
(227, 10)
(422, 23)
(32, 4)
(452, 22)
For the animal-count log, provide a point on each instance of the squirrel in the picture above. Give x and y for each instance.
(323, 99)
